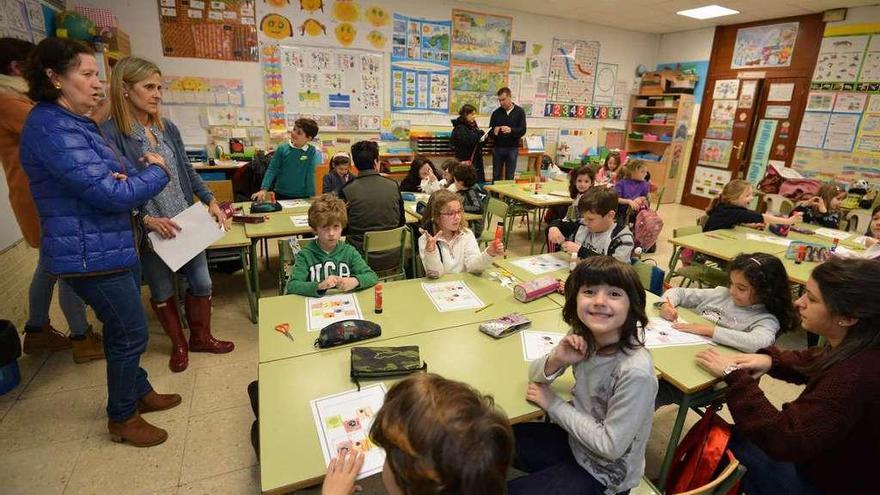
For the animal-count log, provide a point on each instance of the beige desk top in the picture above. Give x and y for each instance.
(525, 193)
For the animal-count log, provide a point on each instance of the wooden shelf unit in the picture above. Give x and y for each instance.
(663, 174)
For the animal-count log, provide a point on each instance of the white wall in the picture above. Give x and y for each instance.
(140, 19)
(686, 46)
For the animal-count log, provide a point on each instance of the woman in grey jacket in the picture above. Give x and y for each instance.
(136, 127)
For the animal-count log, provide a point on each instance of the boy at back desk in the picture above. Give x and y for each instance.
(326, 262)
(291, 173)
(596, 232)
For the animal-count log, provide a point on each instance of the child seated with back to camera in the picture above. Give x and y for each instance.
(823, 209)
(339, 174)
(596, 442)
(466, 187)
(632, 188)
(447, 245)
(730, 208)
(291, 172)
(746, 316)
(439, 436)
(327, 262)
(596, 232)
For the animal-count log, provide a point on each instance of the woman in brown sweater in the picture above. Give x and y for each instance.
(828, 439)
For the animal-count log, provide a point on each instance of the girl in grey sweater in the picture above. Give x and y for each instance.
(748, 315)
(596, 443)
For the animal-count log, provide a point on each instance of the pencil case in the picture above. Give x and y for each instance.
(540, 287)
(504, 326)
(346, 332)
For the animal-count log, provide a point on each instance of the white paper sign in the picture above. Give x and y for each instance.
(198, 231)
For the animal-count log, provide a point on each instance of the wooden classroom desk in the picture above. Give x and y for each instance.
(407, 310)
(525, 194)
(290, 453)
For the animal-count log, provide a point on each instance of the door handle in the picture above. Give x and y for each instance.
(739, 150)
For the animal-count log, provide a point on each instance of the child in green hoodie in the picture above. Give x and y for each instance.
(325, 263)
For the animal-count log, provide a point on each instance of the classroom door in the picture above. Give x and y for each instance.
(750, 114)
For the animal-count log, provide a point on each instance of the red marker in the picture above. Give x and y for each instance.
(499, 232)
(377, 298)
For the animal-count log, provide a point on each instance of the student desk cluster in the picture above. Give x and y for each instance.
(292, 220)
(292, 373)
(536, 197)
(726, 244)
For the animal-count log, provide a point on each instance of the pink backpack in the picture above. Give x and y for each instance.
(647, 228)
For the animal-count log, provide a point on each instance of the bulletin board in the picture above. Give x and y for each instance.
(480, 58)
(840, 134)
(218, 30)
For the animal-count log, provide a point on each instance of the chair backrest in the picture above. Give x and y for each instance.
(659, 197)
(651, 276)
(776, 203)
(494, 208)
(387, 240)
(686, 230)
(721, 484)
(286, 260)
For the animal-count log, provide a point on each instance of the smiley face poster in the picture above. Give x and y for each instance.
(325, 23)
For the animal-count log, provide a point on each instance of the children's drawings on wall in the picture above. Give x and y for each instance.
(725, 89)
(708, 182)
(197, 90)
(721, 119)
(420, 64)
(715, 152)
(328, 23)
(764, 46)
(480, 58)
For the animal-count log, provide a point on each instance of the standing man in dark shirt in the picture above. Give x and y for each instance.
(373, 201)
(507, 125)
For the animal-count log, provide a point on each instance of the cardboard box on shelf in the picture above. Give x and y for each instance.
(116, 40)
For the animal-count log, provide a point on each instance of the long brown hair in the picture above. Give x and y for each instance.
(827, 192)
(732, 190)
(126, 73)
(843, 284)
(769, 280)
(442, 436)
(573, 177)
(437, 202)
(599, 270)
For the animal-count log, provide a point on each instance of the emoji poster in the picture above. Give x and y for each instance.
(327, 23)
(218, 30)
(343, 424)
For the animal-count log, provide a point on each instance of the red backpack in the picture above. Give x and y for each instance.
(647, 228)
(701, 455)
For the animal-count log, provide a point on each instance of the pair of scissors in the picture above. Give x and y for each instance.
(285, 329)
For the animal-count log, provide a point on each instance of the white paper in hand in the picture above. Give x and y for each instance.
(198, 231)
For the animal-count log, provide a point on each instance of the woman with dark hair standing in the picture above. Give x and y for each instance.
(85, 195)
(827, 440)
(136, 128)
(466, 139)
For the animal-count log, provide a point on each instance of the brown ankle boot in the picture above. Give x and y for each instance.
(45, 339)
(91, 348)
(169, 318)
(136, 431)
(157, 402)
(198, 315)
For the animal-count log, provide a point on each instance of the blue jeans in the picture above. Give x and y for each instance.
(40, 298)
(160, 278)
(765, 476)
(502, 156)
(542, 450)
(116, 299)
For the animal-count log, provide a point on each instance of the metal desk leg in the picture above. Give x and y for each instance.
(676, 253)
(674, 437)
(539, 214)
(247, 268)
(255, 275)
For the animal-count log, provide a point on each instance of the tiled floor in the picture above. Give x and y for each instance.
(53, 436)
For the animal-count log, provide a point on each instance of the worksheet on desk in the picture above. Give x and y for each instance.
(300, 220)
(540, 264)
(538, 344)
(452, 296)
(659, 333)
(294, 203)
(343, 423)
(322, 311)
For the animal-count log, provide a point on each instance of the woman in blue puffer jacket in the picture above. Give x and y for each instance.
(84, 194)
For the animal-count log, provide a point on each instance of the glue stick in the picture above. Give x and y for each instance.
(499, 232)
(834, 243)
(377, 298)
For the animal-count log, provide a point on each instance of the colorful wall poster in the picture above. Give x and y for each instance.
(214, 30)
(840, 58)
(332, 80)
(725, 89)
(327, 23)
(842, 129)
(700, 69)
(480, 58)
(715, 152)
(197, 90)
(273, 89)
(761, 150)
(420, 64)
(573, 70)
(764, 46)
(721, 119)
(708, 182)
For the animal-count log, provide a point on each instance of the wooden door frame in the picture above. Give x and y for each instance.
(806, 49)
